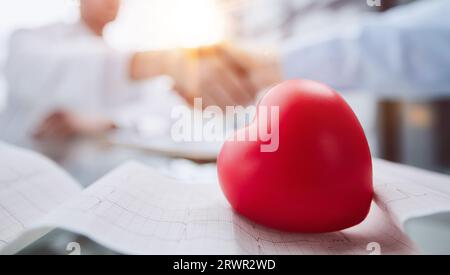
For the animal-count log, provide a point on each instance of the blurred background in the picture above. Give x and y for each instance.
(408, 130)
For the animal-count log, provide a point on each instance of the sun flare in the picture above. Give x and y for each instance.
(161, 24)
(197, 23)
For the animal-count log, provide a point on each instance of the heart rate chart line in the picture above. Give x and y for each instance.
(149, 214)
(406, 193)
(30, 187)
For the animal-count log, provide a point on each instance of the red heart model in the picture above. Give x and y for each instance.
(319, 177)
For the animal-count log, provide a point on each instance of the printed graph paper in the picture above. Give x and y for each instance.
(30, 187)
(135, 210)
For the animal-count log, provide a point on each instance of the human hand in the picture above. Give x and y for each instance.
(262, 65)
(222, 75)
(63, 125)
(213, 74)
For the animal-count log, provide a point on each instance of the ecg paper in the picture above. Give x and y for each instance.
(134, 210)
(406, 192)
(30, 187)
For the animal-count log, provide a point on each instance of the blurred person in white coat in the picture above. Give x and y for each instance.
(64, 79)
(401, 53)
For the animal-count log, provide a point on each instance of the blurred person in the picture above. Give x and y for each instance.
(64, 80)
(398, 53)
(400, 57)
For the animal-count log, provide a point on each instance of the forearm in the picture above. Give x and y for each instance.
(402, 50)
(335, 61)
(150, 64)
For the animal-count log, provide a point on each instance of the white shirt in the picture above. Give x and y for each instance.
(60, 66)
(403, 53)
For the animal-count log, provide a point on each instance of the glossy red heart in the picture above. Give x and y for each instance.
(320, 177)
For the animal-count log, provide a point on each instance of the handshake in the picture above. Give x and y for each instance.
(222, 75)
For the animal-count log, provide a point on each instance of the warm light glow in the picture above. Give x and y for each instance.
(197, 23)
(161, 24)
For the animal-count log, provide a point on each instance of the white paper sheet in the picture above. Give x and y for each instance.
(134, 210)
(166, 146)
(30, 187)
(406, 192)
